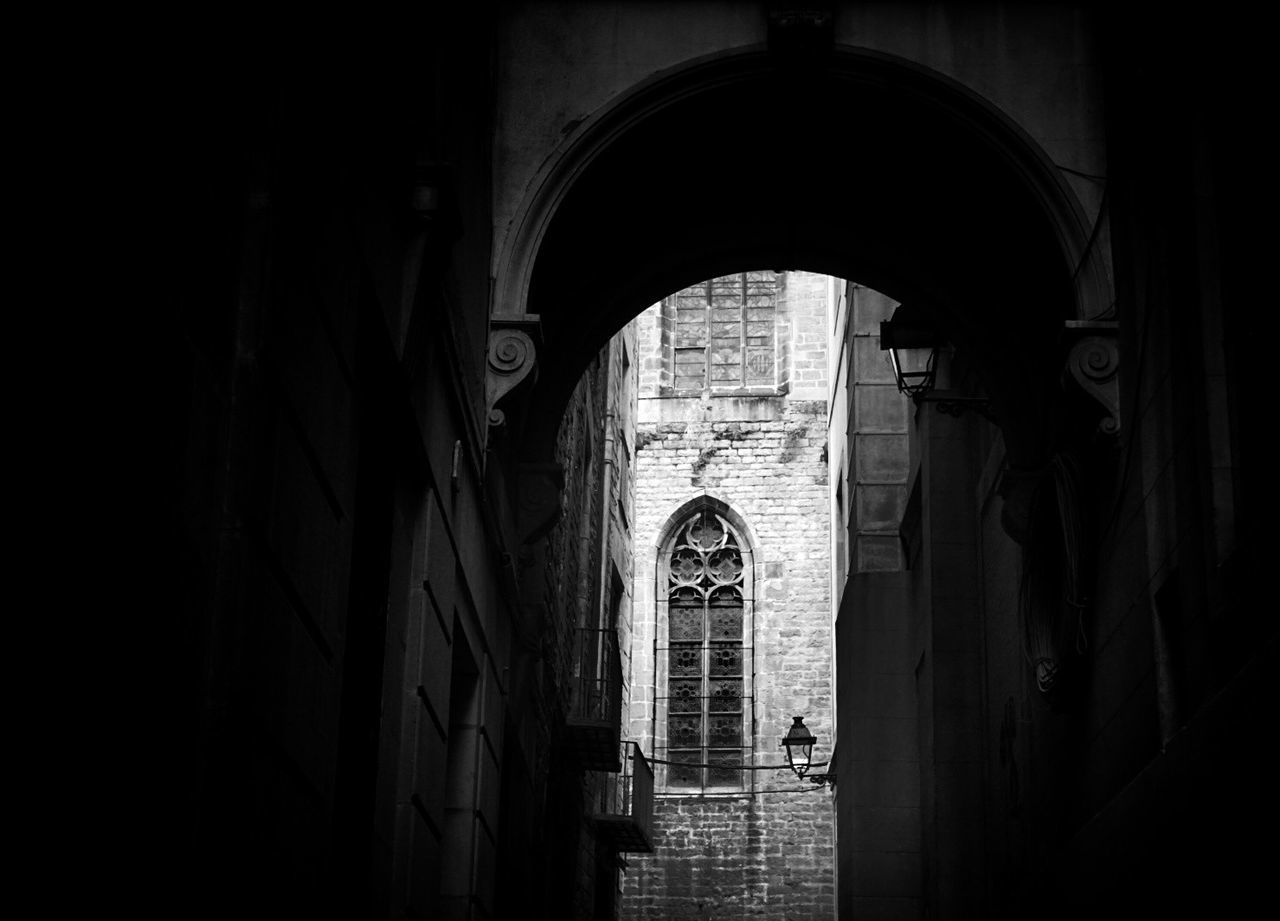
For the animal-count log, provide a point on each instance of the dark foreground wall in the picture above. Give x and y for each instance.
(369, 639)
(1127, 778)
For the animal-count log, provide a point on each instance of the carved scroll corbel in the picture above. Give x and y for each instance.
(1094, 363)
(512, 359)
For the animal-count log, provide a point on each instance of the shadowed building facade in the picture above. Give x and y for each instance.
(395, 508)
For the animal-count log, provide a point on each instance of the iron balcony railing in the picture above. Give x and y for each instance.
(594, 726)
(624, 812)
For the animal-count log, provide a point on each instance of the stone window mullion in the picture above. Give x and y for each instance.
(707, 690)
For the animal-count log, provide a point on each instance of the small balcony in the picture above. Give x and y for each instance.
(624, 813)
(594, 726)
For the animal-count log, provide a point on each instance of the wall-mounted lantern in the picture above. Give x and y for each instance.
(799, 742)
(913, 351)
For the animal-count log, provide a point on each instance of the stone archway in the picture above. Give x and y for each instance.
(912, 184)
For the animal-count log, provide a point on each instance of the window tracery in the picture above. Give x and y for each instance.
(707, 591)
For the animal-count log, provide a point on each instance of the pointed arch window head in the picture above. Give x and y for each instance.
(708, 589)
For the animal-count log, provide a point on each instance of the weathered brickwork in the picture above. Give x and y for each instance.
(767, 851)
(586, 575)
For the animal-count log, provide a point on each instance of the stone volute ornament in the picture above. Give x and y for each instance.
(512, 358)
(1093, 362)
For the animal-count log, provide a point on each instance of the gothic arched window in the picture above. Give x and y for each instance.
(707, 592)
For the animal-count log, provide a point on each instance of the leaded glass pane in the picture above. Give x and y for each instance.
(685, 696)
(726, 623)
(725, 730)
(724, 777)
(684, 730)
(691, 367)
(685, 660)
(691, 335)
(686, 624)
(725, 696)
(691, 361)
(726, 660)
(683, 771)
(759, 332)
(760, 365)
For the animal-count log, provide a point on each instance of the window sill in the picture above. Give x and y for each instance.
(672, 393)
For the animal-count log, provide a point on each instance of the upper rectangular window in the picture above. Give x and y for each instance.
(724, 334)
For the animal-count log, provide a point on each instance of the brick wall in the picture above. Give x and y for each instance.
(745, 854)
(586, 570)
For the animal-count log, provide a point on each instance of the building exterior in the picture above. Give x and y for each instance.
(389, 256)
(572, 663)
(732, 630)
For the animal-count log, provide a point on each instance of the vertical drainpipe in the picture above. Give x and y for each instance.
(606, 479)
(606, 468)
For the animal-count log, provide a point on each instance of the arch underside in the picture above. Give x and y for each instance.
(866, 172)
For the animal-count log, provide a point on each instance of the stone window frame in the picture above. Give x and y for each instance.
(669, 322)
(753, 570)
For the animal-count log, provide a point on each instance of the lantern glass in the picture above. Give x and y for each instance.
(799, 743)
(913, 351)
(914, 369)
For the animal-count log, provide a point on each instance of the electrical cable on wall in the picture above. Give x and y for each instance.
(735, 767)
(1050, 600)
